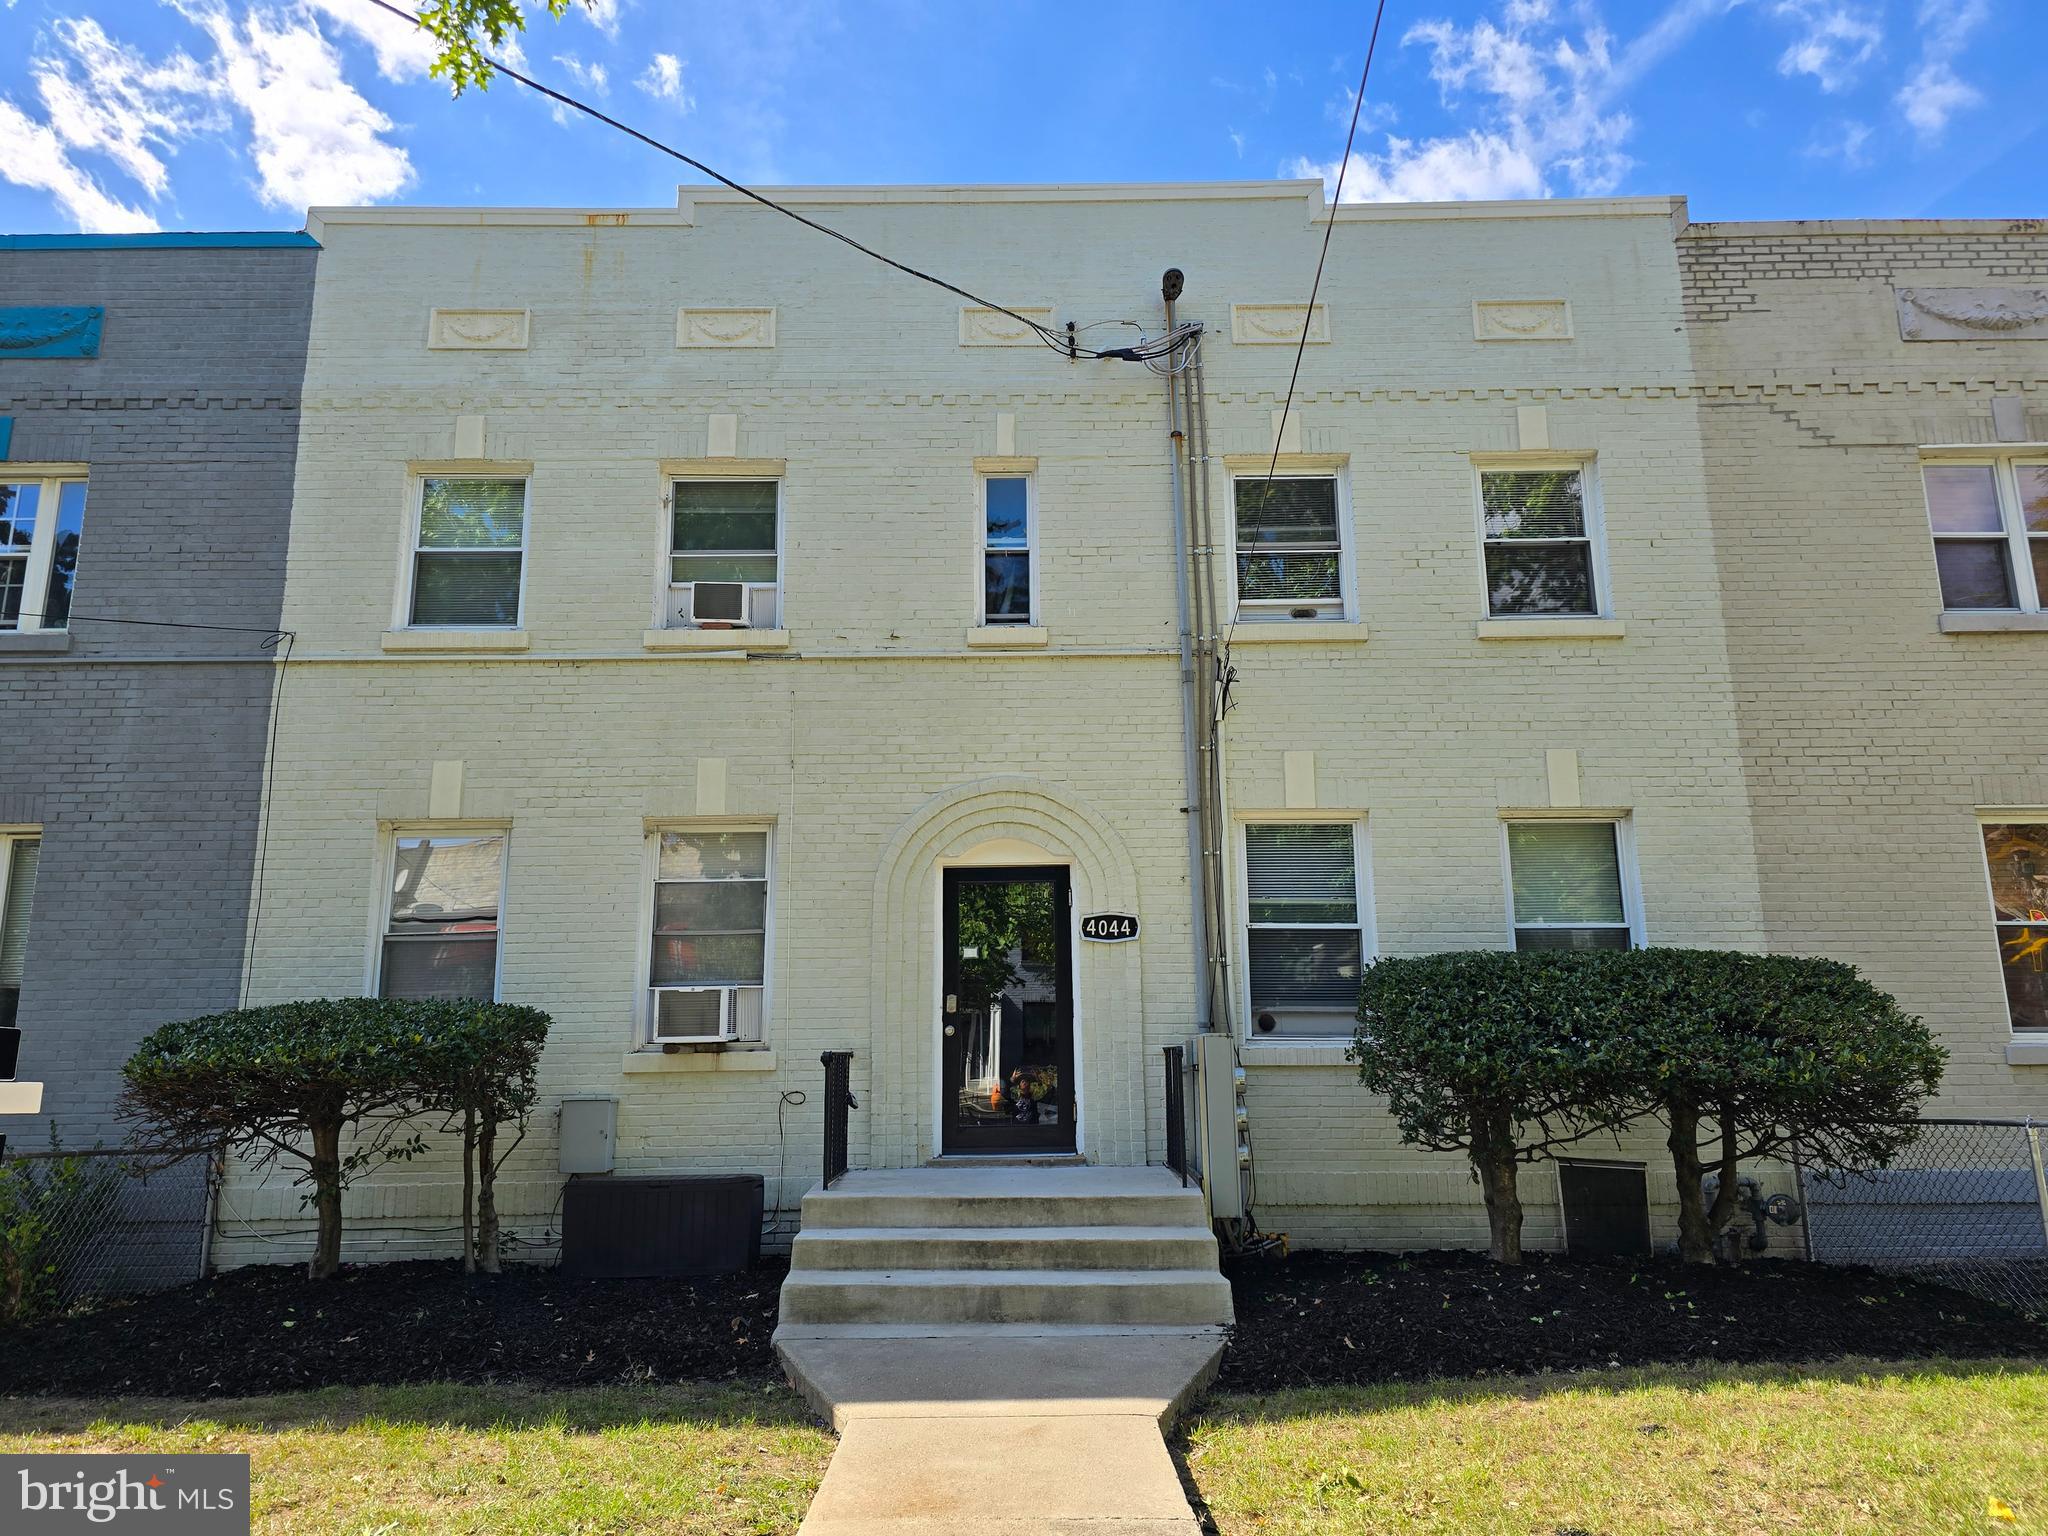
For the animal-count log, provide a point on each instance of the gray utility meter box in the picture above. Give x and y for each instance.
(590, 1130)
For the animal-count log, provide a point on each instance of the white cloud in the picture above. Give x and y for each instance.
(592, 77)
(101, 97)
(31, 155)
(1836, 39)
(1843, 141)
(1934, 92)
(603, 15)
(404, 51)
(312, 136)
(1543, 99)
(663, 80)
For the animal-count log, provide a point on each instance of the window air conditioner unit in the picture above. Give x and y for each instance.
(694, 1016)
(719, 603)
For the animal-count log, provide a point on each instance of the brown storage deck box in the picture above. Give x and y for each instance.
(620, 1227)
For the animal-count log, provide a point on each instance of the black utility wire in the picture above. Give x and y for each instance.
(1058, 341)
(1329, 224)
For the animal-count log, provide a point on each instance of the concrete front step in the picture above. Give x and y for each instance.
(1191, 1297)
(1007, 1197)
(1004, 1248)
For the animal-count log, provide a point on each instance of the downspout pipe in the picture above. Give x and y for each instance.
(1190, 702)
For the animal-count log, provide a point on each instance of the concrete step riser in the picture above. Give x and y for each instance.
(827, 1251)
(831, 1210)
(1197, 1301)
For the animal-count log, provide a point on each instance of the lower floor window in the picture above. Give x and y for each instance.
(1304, 938)
(441, 938)
(708, 966)
(1566, 886)
(18, 859)
(2017, 854)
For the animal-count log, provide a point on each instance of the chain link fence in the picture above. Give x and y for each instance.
(1965, 1205)
(80, 1225)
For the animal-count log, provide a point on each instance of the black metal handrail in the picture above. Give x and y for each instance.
(1176, 1113)
(838, 1100)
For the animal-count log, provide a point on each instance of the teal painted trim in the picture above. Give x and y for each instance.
(6, 437)
(185, 240)
(47, 331)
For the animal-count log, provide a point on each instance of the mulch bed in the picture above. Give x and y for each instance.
(269, 1329)
(1327, 1319)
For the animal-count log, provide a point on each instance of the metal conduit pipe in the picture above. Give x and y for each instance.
(1217, 801)
(1191, 710)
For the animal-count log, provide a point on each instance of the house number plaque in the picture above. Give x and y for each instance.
(1109, 927)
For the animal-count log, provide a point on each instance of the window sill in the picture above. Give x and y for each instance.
(1298, 632)
(722, 642)
(1009, 637)
(34, 642)
(1992, 622)
(660, 1061)
(455, 640)
(1268, 1051)
(1549, 629)
(21, 1098)
(2027, 1053)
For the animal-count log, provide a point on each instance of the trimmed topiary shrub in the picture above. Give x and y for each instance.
(292, 1079)
(1502, 1056)
(1768, 1050)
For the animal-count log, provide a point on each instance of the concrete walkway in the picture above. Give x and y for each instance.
(1001, 1429)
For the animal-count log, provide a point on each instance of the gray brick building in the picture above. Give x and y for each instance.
(146, 457)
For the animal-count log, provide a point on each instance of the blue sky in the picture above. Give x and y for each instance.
(183, 114)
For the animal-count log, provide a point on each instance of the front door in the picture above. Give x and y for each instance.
(1007, 1017)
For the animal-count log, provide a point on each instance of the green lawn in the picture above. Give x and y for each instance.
(1859, 1447)
(383, 1461)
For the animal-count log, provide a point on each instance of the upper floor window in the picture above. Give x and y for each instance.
(1539, 535)
(19, 855)
(725, 554)
(1009, 528)
(41, 521)
(1990, 520)
(469, 553)
(1290, 547)
(2017, 854)
(708, 965)
(1568, 885)
(441, 934)
(1305, 929)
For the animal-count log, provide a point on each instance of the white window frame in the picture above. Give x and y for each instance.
(643, 963)
(388, 840)
(1595, 536)
(666, 585)
(1273, 610)
(982, 548)
(1367, 925)
(2027, 1033)
(49, 480)
(9, 836)
(409, 556)
(2019, 555)
(1625, 863)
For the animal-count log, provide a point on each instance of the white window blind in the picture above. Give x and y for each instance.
(1567, 889)
(710, 930)
(22, 854)
(1289, 547)
(1539, 547)
(725, 534)
(442, 937)
(1304, 940)
(469, 555)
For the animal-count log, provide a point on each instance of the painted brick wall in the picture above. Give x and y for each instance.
(139, 751)
(1869, 738)
(880, 745)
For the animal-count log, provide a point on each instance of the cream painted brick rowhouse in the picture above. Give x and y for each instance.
(876, 734)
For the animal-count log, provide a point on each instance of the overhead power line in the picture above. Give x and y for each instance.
(1059, 341)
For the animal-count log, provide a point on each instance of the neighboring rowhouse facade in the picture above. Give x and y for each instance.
(703, 631)
(149, 392)
(1875, 415)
